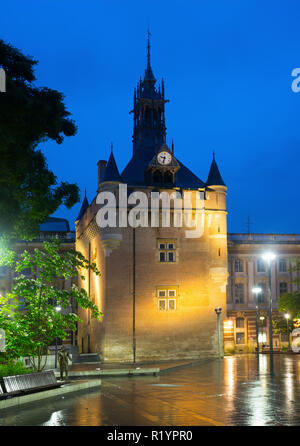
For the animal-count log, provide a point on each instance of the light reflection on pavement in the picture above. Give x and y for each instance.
(238, 390)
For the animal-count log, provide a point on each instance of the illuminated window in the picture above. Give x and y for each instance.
(162, 304)
(239, 293)
(262, 337)
(238, 266)
(240, 338)
(167, 299)
(167, 251)
(261, 266)
(282, 266)
(162, 293)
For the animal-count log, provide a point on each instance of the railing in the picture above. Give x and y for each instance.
(264, 238)
(67, 237)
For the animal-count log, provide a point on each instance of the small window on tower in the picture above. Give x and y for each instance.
(162, 256)
(172, 304)
(167, 252)
(167, 299)
(162, 304)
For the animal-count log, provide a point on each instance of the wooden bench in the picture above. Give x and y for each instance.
(28, 383)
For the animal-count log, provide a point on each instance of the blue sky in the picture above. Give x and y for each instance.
(227, 67)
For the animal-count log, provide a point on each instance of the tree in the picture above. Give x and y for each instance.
(280, 325)
(29, 191)
(290, 302)
(30, 331)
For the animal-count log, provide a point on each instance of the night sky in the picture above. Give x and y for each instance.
(227, 67)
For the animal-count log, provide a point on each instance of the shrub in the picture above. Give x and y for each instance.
(13, 368)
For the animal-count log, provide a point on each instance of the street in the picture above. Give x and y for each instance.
(237, 390)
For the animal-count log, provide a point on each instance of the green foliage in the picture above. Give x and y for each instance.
(290, 302)
(13, 368)
(30, 332)
(30, 115)
(280, 324)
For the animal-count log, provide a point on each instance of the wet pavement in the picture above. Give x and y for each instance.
(239, 390)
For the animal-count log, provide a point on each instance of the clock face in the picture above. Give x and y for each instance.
(164, 158)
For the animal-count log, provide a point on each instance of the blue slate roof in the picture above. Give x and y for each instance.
(53, 224)
(214, 176)
(134, 172)
(111, 172)
(84, 206)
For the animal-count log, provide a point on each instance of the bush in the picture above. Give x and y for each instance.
(12, 368)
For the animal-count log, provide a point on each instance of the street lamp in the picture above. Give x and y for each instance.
(268, 257)
(287, 316)
(256, 290)
(58, 309)
(218, 313)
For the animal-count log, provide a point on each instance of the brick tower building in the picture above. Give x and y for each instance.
(158, 287)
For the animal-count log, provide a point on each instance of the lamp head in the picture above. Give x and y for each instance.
(256, 290)
(287, 315)
(58, 309)
(268, 256)
(218, 310)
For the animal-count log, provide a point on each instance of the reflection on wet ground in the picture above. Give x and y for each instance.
(239, 390)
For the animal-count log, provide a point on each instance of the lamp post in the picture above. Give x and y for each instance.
(58, 309)
(287, 316)
(268, 257)
(256, 290)
(218, 313)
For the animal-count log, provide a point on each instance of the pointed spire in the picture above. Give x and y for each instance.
(172, 146)
(84, 206)
(148, 47)
(111, 171)
(149, 76)
(214, 176)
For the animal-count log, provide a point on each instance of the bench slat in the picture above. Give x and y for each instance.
(29, 381)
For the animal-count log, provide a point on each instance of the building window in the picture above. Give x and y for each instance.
(162, 293)
(240, 338)
(282, 266)
(239, 293)
(261, 297)
(162, 304)
(238, 266)
(239, 322)
(283, 288)
(171, 304)
(261, 266)
(167, 252)
(166, 300)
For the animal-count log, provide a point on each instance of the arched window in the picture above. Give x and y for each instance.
(168, 178)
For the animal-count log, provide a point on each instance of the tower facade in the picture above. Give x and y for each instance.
(159, 286)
